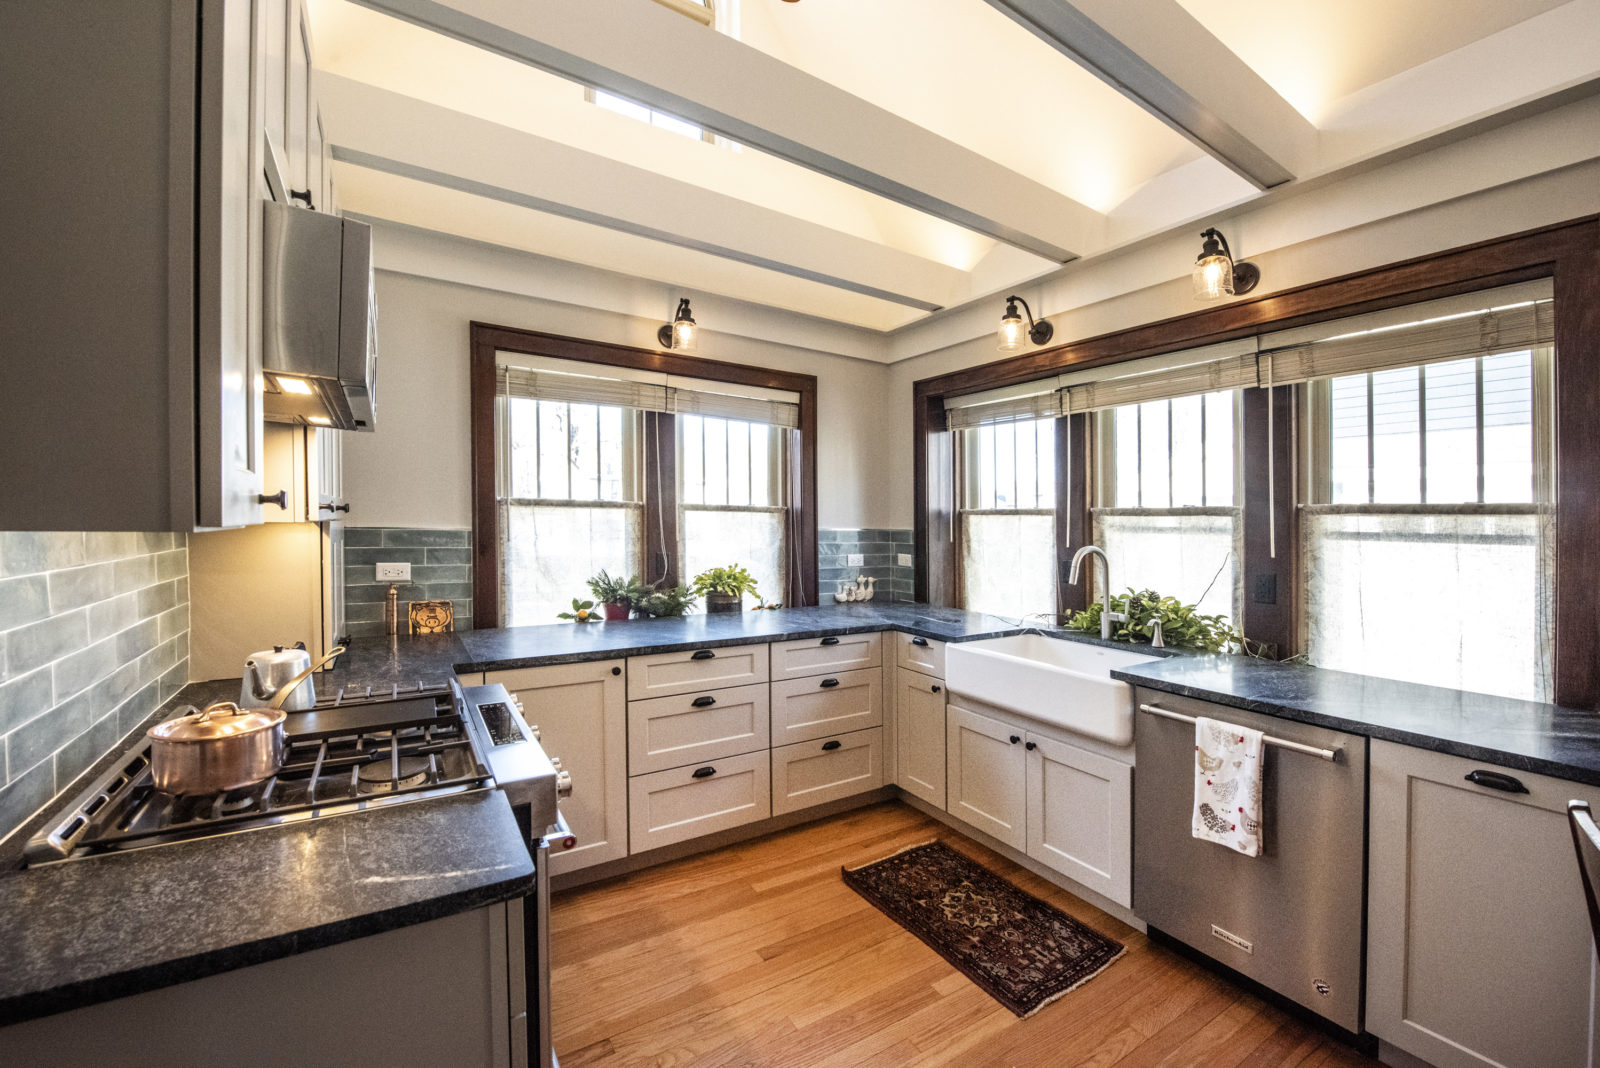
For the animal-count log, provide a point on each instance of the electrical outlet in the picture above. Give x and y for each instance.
(394, 572)
(904, 560)
(854, 559)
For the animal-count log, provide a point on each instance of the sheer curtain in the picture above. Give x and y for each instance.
(1458, 600)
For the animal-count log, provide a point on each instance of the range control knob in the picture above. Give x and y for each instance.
(555, 762)
(563, 784)
(533, 728)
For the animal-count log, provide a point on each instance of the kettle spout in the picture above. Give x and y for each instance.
(257, 687)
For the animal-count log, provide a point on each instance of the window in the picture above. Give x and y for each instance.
(733, 493)
(1007, 517)
(650, 115)
(1426, 546)
(573, 504)
(1168, 519)
(629, 461)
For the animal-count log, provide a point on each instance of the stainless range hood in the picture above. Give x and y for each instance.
(320, 352)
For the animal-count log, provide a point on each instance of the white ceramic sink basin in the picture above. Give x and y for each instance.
(1064, 683)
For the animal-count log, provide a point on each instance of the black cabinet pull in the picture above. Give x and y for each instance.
(703, 654)
(1031, 746)
(830, 641)
(705, 772)
(333, 507)
(936, 689)
(281, 499)
(1496, 781)
(919, 641)
(826, 746)
(1015, 739)
(616, 671)
(828, 684)
(703, 702)
(302, 194)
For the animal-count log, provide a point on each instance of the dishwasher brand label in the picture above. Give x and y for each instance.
(1232, 939)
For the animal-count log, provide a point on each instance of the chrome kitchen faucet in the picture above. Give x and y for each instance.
(1107, 616)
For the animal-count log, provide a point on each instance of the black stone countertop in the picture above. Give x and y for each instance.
(1522, 735)
(403, 660)
(567, 643)
(78, 932)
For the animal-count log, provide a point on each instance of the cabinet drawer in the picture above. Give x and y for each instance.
(919, 654)
(809, 773)
(673, 806)
(689, 670)
(826, 656)
(803, 709)
(668, 732)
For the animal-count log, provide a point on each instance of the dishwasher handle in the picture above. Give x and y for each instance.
(1329, 755)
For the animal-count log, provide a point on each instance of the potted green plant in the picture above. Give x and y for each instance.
(617, 596)
(723, 587)
(1182, 625)
(665, 603)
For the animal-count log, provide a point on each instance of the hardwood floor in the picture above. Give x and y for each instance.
(758, 954)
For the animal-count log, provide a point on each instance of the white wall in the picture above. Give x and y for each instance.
(415, 469)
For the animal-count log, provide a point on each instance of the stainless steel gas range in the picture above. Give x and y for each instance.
(357, 749)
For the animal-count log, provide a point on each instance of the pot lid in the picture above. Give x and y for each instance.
(278, 654)
(221, 720)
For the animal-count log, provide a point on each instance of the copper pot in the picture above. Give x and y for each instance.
(221, 748)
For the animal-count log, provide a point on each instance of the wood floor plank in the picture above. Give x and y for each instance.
(758, 954)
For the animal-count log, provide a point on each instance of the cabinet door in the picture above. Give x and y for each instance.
(986, 775)
(273, 26)
(324, 474)
(920, 735)
(228, 419)
(1478, 942)
(1080, 815)
(581, 711)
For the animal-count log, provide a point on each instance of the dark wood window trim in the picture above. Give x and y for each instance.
(661, 534)
(1568, 253)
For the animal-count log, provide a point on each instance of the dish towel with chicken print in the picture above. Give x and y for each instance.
(1227, 785)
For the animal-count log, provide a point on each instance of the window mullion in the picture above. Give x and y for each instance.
(1479, 425)
(1422, 435)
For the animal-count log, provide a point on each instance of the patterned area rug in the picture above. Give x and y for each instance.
(1024, 952)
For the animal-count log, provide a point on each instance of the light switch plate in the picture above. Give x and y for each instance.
(854, 559)
(904, 560)
(394, 572)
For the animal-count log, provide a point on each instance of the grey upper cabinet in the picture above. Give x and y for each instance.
(130, 367)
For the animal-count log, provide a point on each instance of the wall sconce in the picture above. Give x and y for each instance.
(1216, 275)
(1011, 330)
(678, 334)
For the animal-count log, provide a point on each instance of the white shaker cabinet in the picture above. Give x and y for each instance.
(581, 711)
(986, 777)
(132, 236)
(920, 735)
(1478, 942)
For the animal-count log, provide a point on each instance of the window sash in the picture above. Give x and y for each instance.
(647, 391)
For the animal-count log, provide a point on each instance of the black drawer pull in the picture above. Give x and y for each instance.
(1496, 781)
(828, 684)
(830, 641)
(826, 746)
(704, 773)
(919, 641)
(936, 689)
(703, 702)
(1031, 746)
(703, 654)
(616, 671)
(1015, 739)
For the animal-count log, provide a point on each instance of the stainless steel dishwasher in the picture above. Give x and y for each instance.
(1292, 918)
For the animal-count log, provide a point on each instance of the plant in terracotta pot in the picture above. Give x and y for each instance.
(723, 587)
(617, 596)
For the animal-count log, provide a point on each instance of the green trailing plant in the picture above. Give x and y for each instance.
(628, 592)
(582, 612)
(732, 580)
(665, 603)
(1182, 625)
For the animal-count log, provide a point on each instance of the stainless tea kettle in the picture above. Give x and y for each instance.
(269, 671)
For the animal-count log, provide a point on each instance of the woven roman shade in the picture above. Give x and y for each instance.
(580, 383)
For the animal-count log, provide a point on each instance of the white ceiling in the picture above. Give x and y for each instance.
(889, 159)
